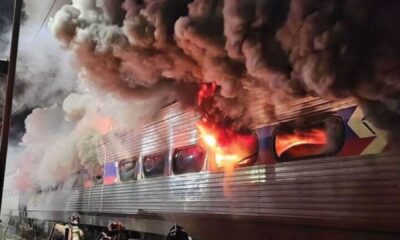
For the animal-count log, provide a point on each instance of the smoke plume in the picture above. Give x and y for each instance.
(62, 130)
(44, 77)
(45, 74)
(62, 140)
(141, 54)
(332, 49)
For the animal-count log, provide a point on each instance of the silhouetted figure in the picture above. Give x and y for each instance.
(177, 233)
(115, 231)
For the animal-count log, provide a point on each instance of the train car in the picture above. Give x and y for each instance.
(317, 169)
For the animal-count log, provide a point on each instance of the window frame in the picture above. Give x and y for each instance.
(79, 181)
(166, 164)
(252, 158)
(94, 176)
(173, 167)
(136, 168)
(339, 147)
(75, 177)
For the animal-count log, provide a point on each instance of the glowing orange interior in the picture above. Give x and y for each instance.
(227, 146)
(286, 142)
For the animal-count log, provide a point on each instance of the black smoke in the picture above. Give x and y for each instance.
(17, 128)
(285, 48)
(6, 18)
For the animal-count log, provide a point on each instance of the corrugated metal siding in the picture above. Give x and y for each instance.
(170, 131)
(356, 188)
(263, 113)
(175, 128)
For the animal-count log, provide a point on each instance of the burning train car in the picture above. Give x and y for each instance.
(328, 167)
(295, 159)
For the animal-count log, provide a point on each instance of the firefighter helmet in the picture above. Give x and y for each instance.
(177, 233)
(115, 226)
(74, 219)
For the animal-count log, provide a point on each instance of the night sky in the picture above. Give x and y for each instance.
(5, 13)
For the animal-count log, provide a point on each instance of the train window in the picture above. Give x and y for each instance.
(154, 165)
(188, 160)
(293, 141)
(127, 169)
(239, 150)
(75, 180)
(228, 148)
(86, 179)
(98, 175)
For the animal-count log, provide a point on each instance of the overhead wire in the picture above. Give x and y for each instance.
(45, 19)
(36, 35)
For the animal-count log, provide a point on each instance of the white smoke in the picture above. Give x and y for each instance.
(44, 76)
(45, 73)
(62, 140)
(49, 144)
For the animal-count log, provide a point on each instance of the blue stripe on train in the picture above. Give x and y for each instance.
(264, 137)
(110, 173)
(346, 114)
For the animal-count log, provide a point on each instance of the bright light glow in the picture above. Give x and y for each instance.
(285, 142)
(227, 146)
(209, 140)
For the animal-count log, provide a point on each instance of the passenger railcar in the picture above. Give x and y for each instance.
(159, 175)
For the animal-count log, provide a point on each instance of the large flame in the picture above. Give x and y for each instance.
(286, 142)
(228, 147)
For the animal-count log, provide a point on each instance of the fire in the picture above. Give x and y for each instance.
(289, 141)
(228, 147)
(209, 139)
(206, 91)
(103, 124)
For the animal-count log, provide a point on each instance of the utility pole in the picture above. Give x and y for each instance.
(9, 92)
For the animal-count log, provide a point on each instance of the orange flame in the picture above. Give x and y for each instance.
(228, 147)
(206, 91)
(285, 142)
(103, 124)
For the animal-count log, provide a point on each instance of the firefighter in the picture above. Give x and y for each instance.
(177, 233)
(74, 232)
(115, 231)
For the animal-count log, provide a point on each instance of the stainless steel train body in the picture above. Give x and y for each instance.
(355, 187)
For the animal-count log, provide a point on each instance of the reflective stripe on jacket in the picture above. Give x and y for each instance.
(75, 233)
